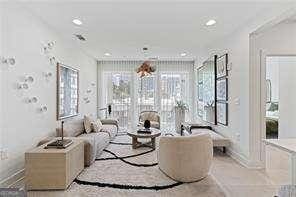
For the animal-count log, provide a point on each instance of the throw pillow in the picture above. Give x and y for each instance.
(97, 125)
(87, 124)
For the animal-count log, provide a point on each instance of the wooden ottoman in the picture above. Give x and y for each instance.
(48, 169)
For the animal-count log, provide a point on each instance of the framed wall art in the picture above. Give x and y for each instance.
(67, 91)
(222, 113)
(222, 62)
(222, 89)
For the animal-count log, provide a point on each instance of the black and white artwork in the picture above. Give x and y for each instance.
(67, 91)
(222, 66)
(222, 89)
(222, 113)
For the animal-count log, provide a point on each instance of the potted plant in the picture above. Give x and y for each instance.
(180, 109)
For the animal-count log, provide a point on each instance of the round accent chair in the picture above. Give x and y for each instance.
(152, 116)
(185, 158)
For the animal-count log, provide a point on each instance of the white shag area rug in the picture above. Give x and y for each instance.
(134, 176)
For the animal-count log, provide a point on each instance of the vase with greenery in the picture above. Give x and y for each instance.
(180, 110)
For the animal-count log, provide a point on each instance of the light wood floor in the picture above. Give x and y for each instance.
(236, 180)
(233, 178)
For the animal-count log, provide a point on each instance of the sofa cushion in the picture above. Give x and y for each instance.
(72, 128)
(110, 129)
(110, 121)
(94, 145)
(97, 125)
(218, 140)
(90, 148)
(102, 140)
(87, 121)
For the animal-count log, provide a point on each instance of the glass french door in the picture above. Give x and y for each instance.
(173, 88)
(118, 93)
(158, 92)
(147, 94)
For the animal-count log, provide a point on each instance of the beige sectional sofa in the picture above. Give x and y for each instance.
(95, 142)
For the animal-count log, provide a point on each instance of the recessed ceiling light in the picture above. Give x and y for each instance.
(211, 22)
(77, 22)
(183, 54)
(107, 54)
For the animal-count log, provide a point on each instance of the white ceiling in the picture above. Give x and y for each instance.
(123, 28)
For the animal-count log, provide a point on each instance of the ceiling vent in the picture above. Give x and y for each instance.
(80, 37)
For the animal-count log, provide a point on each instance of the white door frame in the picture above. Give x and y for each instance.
(263, 56)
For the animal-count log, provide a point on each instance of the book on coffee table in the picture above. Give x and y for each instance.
(144, 131)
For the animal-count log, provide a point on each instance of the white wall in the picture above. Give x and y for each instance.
(1, 135)
(237, 48)
(287, 95)
(241, 116)
(23, 126)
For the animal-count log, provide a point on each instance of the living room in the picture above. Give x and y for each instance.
(98, 73)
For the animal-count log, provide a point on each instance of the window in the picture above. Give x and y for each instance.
(130, 95)
(173, 88)
(118, 94)
(147, 93)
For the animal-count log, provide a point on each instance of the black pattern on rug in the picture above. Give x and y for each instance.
(124, 157)
(121, 134)
(127, 186)
(120, 186)
(121, 143)
(130, 163)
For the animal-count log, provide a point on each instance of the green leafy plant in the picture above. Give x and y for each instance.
(182, 105)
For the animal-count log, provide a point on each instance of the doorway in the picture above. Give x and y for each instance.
(280, 97)
(272, 97)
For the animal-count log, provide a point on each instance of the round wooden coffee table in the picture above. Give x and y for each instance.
(135, 135)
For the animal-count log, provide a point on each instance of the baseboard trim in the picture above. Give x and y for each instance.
(13, 179)
(242, 159)
(237, 157)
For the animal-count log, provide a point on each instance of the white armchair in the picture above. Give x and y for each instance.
(153, 116)
(185, 158)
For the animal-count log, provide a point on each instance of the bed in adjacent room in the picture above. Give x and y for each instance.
(272, 120)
